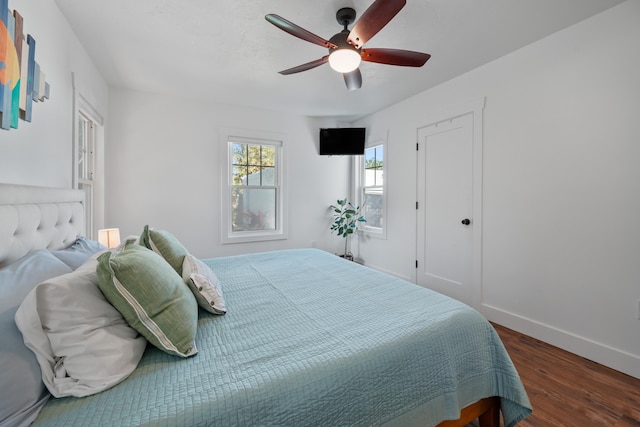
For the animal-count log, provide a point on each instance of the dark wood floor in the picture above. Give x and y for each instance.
(568, 390)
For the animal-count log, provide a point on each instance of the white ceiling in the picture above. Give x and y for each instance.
(226, 52)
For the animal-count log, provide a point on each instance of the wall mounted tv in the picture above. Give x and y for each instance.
(341, 141)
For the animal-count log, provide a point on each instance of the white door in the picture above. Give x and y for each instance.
(445, 208)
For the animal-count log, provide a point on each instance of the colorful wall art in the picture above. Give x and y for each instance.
(21, 79)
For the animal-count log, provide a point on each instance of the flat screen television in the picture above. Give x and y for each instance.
(342, 141)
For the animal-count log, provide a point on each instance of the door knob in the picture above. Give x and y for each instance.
(466, 221)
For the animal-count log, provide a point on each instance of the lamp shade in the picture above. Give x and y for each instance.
(344, 60)
(109, 237)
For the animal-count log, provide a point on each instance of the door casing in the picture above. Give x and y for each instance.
(471, 294)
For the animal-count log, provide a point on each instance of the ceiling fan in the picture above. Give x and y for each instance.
(346, 47)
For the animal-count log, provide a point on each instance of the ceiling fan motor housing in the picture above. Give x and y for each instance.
(340, 40)
(346, 16)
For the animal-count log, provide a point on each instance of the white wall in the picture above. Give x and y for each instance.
(40, 152)
(561, 186)
(163, 169)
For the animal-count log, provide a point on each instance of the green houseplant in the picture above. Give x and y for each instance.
(346, 219)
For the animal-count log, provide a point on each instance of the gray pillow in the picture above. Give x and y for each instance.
(151, 297)
(19, 405)
(204, 285)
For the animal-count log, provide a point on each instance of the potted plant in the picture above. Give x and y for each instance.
(346, 219)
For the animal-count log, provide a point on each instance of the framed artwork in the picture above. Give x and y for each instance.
(22, 81)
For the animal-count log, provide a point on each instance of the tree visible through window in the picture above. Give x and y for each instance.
(373, 188)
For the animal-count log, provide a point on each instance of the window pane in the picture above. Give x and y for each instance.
(269, 176)
(380, 176)
(239, 154)
(369, 177)
(254, 177)
(254, 155)
(372, 208)
(374, 165)
(239, 175)
(253, 209)
(268, 155)
(83, 135)
(369, 155)
(373, 177)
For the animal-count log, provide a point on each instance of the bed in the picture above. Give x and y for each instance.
(307, 339)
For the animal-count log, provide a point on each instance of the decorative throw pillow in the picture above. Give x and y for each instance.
(204, 284)
(80, 251)
(19, 405)
(166, 245)
(82, 343)
(129, 240)
(151, 297)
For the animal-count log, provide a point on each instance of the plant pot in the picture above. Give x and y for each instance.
(348, 256)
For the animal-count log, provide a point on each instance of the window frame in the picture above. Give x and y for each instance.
(229, 137)
(378, 232)
(93, 184)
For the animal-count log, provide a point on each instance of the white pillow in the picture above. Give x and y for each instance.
(204, 284)
(82, 343)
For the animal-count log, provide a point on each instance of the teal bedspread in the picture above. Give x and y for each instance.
(312, 339)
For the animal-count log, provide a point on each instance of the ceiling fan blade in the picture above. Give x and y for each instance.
(297, 31)
(353, 79)
(305, 67)
(406, 58)
(373, 20)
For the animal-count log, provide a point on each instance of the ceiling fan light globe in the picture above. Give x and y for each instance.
(344, 60)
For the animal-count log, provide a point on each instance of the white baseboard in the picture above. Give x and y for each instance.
(600, 353)
(390, 273)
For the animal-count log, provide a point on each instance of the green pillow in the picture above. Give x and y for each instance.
(166, 245)
(204, 285)
(151, 297)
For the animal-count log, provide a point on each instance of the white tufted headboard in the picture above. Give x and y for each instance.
(38, 218)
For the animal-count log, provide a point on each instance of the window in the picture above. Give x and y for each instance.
(254, 198)
(85, 165)
(373, 194)
(88, 159)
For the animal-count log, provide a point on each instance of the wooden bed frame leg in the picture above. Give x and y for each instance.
(491, 418)
(486, 411)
